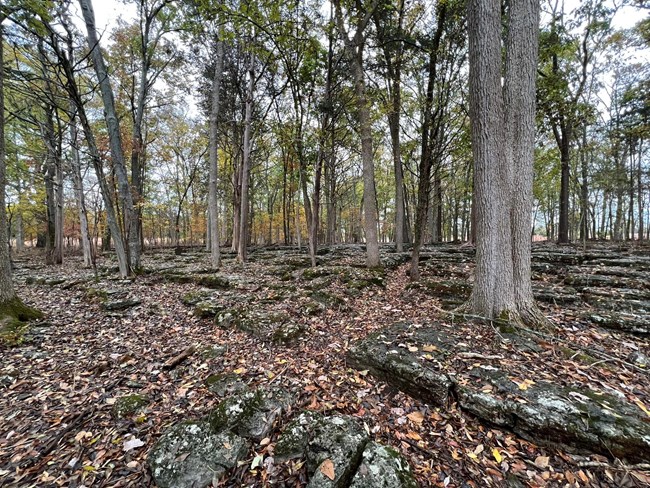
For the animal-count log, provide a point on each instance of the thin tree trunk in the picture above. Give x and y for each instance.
(115, 138)
(58, 211)
(639, 198)
(564, 141)
(245, 171)
(354, 50)
(426, 153)
(88, 257)
(7, 292)
(213, 207)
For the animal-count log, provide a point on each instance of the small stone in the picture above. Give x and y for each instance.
(128, 405)
(638, 359)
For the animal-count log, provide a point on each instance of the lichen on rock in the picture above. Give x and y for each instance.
(192, 455)
(383, 467)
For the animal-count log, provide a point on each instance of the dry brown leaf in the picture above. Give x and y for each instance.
(416, 417)
(541, 462)
(327, 468)
(413, 435)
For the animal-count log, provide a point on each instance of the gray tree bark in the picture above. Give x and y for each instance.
(105, 189)
(115, 138)
(7, 291)
(503, 125)
(77, 180)
(213, 208)
(354, 51)
(245, 170)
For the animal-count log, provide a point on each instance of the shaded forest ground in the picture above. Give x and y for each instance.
(59, 385)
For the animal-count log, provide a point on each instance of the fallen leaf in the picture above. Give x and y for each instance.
(416, 417)
(327, 468)
(413, 435)
(583, 476)
(497, 455)
(642, 407)
(541, 462)
(257, 461)
(133, 444)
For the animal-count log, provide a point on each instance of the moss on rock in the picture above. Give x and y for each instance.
(14, 315)
(128, 405)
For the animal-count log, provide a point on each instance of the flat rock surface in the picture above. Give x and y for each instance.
(421, 361)
(191, 455)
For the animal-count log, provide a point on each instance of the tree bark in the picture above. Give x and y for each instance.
(245, 170)
(354, 51)
(564, 141)
(115, 138)
(213, 208)
(503, 127)
(520, 105)
(7, 292)
(428, 138)
(86, 247)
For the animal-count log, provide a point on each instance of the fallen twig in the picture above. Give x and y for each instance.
(176, 360)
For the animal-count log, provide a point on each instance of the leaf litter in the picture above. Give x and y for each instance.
(59, 387)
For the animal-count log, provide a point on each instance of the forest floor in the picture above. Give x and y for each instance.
(58, 386)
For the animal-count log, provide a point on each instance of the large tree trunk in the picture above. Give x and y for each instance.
(213, 208)
(115, 138)
(493, 292)
(519, 95)
(502, 143)
(7, 292)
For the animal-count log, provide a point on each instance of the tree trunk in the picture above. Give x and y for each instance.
(503, 125)
(77, 180)
(428, 138)
(584, 188)
(20, 233)
(245, 171)
(519, 95)
(58, 211)
(565, 158)
(7, 292)
(354, 51)
(213, 208)
(115, 138)
(639, 198)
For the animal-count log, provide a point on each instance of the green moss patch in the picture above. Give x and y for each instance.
(128, 405)
(13, 317)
